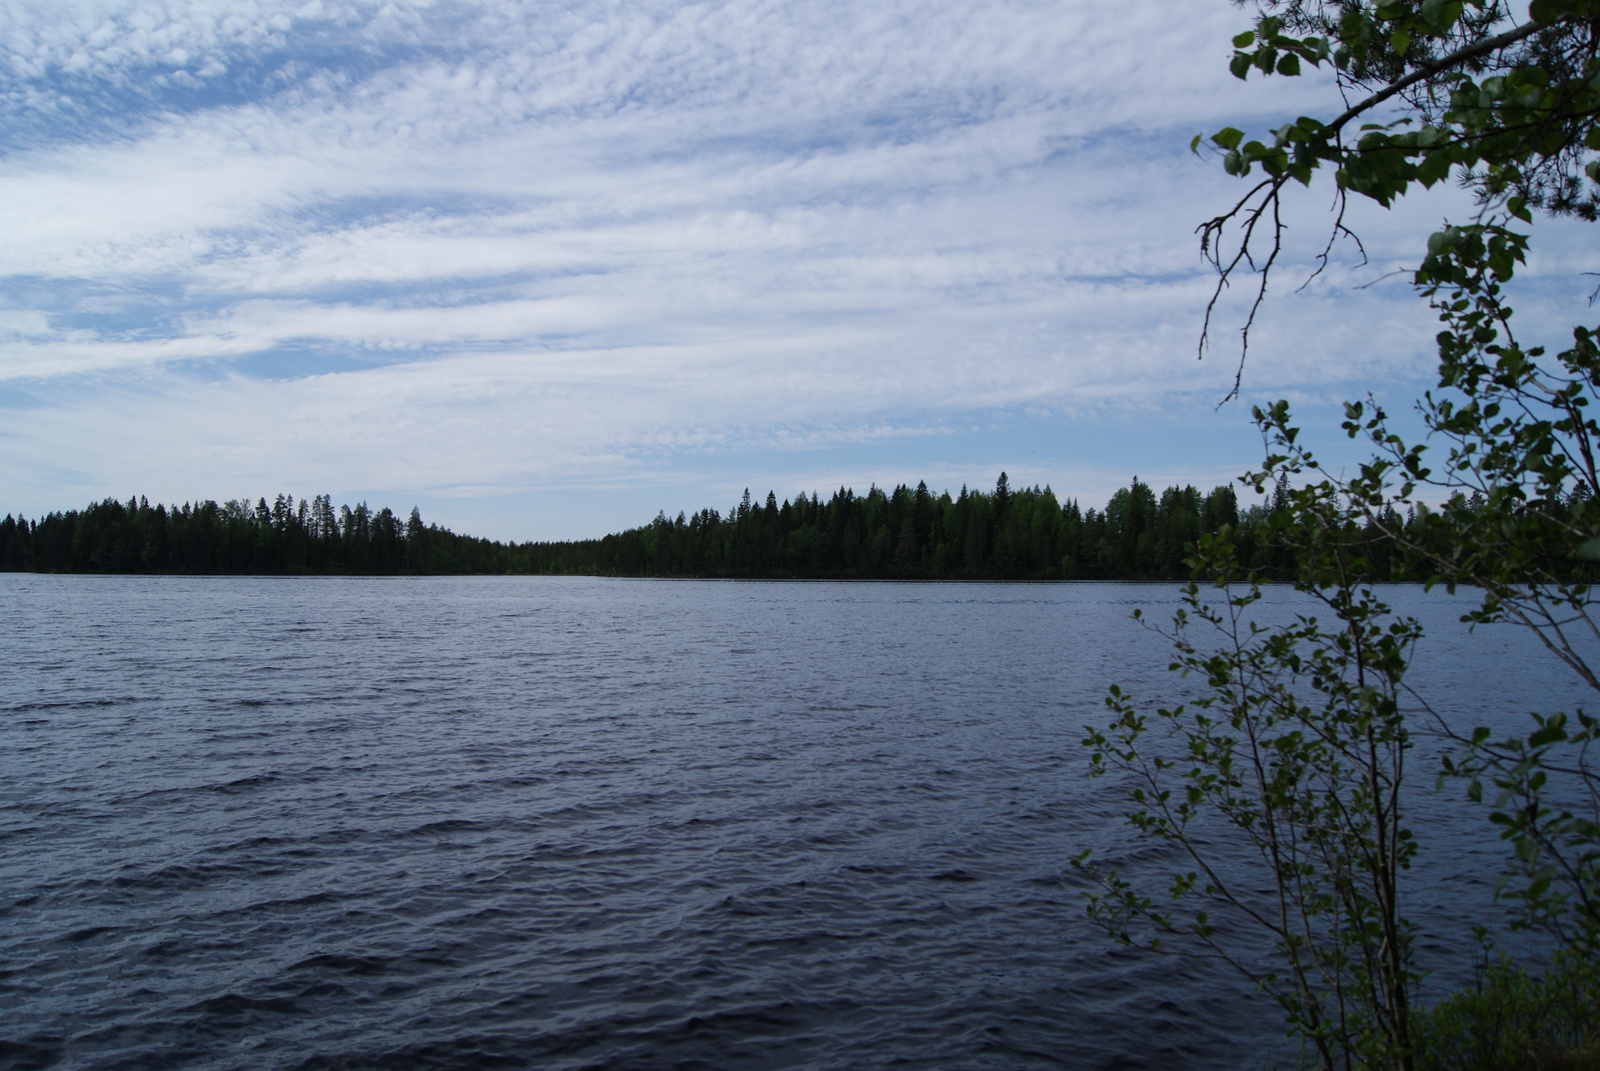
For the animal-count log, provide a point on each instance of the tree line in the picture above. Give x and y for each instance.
(905, 533)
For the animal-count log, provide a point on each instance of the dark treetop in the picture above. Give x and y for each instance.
(908, 533)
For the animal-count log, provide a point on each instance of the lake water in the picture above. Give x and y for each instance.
(584, 823)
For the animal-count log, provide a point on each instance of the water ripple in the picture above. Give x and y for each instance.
(567, 823)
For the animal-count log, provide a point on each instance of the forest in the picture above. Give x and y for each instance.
(907, 533)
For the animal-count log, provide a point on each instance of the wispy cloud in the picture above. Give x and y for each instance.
(415, 246)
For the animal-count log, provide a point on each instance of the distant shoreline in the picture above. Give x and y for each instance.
(1011, 535)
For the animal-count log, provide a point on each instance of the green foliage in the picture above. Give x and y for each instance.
(310, 537)
(1507, 108)
(1555, 846)
(905, 533)
(1517, 436)
(1511, 441)
(1506, 103)
(1510, 1020)
(1022, 534)
(1297, 746)
(1272, 752)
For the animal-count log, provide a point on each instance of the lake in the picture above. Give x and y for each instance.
(498, 822)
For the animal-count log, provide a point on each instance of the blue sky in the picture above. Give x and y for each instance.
(544, 269)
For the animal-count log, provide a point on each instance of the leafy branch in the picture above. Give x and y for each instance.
(1499, 125)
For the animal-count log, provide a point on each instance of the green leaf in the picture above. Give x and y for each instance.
(1441, 14)
(1400, 40)
(1228, 137)
(1289, 65)
(1550, 734)
(1435, 168)
(1544, 11)
(1244, 40)
(1240, 65)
